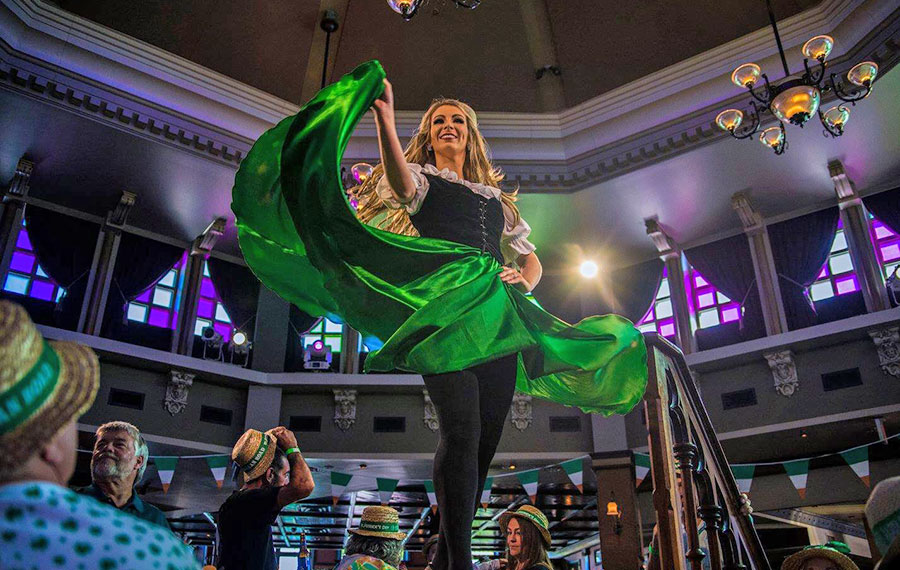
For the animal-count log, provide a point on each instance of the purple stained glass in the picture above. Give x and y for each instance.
(706, 300)
(824, 273)
(731, 314)
(667, 328)
(846, 285)
(224, 330)
(42, 290)
(700, 281)
(23, 241)
(890, 252)
(145, 296)
(206, 288)
(206, 308)
(22, 262)
(159, 317)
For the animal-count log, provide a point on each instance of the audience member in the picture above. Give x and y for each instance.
(377, 544)
(829, 556)
(883, 521)
(275, 475)
(527, 535)
(117, 466)
(44, 388)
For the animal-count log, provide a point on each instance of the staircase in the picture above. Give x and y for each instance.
(702, 521)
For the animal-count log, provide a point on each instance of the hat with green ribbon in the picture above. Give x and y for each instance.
(531, 514)
(254, 453)
(832, 551)
(43, 385)
(383, 522)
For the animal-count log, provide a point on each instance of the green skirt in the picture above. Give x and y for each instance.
(431, 305)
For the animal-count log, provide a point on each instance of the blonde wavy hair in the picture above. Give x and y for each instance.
(477, 168)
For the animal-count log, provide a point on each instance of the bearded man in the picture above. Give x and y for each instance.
(117, 465)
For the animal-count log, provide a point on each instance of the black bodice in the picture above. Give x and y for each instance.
(455, 213)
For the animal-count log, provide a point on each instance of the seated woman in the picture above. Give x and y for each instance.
(527, 539)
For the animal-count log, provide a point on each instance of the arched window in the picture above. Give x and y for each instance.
(709, 306)
(660, 318)
(25, 275)
(887, 246)
(837, 276)
(327, 331)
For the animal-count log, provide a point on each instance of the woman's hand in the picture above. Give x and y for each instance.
(514, 277)
(384, 106)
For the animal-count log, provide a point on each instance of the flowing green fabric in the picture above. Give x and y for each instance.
(436, 305)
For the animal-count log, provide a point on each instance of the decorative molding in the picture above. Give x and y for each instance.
(750, 218)
(19, 185)
(784, 371)
(887, 342)
(430, 416)
(177, 391)
(344, 409)
(521, 411)
(119, 216)
(206, 241)
(843, 186)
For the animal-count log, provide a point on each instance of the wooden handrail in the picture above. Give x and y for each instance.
(692, 480)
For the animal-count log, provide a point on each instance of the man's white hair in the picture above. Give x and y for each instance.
(140, 446)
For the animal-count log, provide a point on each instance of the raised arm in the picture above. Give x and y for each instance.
(392, 158)
(301, 483)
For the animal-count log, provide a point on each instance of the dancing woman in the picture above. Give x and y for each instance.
(423, 278)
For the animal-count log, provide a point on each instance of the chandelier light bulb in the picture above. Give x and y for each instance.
(837, 117)
(361, 172)
(773, 137)
(863, 74)
(746, 75)
(589, 269)
(818, 47)
(730, 119)
(401, 6)
(796, 104)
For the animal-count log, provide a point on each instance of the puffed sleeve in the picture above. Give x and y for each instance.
(383, 189)
(514, 240)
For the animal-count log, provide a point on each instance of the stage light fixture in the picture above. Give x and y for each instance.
(589, 269)
(212, 343)
(317, 356)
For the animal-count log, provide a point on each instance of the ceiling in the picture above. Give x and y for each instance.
(481, 56)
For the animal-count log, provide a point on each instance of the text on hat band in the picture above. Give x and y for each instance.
(258, 456)
(27, 395)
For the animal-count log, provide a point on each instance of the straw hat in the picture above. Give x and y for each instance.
(254, 452)
(383, 522)
(833, 551)
(532, 515)
(883, 513)
(43, 385)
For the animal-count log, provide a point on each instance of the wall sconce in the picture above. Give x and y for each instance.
(612, 510)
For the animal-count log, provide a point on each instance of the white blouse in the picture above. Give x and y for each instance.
(513, 241)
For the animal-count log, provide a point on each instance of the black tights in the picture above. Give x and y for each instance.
(471, 406)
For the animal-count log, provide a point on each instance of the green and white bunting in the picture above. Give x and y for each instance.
(218, 464)
(432, 497)
(166, 468)
(641, 468)
(529, 480)
(743, 474)
(798, 472)
(486, 492)
(386, 488)
(574, 469)
(858, 460)
(339, 482)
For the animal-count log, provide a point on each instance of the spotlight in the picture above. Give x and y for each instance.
(589, 269)
(317, 356)
(240, 345)
(212, 343)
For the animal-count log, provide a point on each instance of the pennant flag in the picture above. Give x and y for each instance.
(386, 488)
(529, 480)
(218, 465)
(486, 492)
(743, 475)
(641, 468)
(798, 472)
(858, 460)
(166, 468)
(575, 471)
(432, 497)
(339, 482)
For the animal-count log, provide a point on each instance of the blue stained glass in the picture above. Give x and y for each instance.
(22, 261)
(40, 272)
(16, 283)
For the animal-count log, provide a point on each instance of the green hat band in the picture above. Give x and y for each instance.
(379, 526)
(26, 396)
(258, 456)
(533, 518)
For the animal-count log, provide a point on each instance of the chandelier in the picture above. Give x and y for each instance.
(408, 8)
(796, 98)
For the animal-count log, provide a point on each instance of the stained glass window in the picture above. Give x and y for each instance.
(837, 276)
(661, 316)
(887, 247)
(25, 275)
(210, 310)
(327, 331)
(710, 306)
